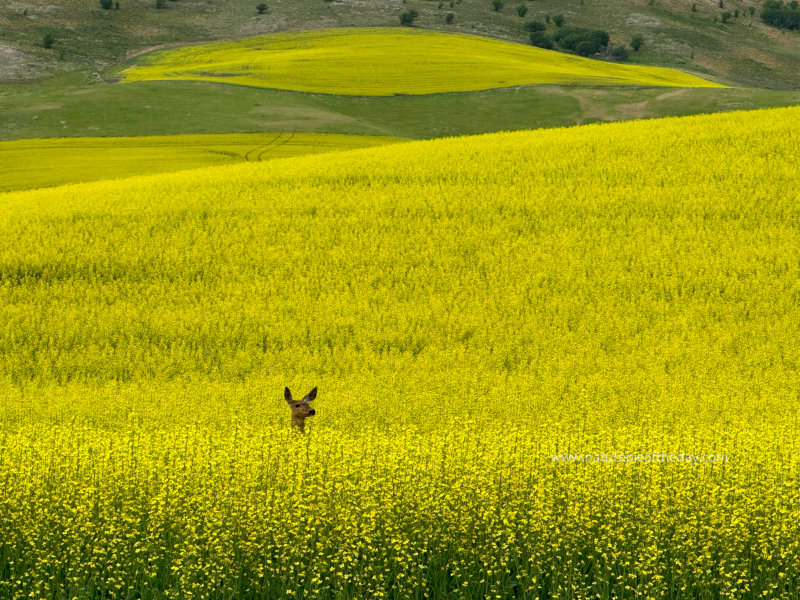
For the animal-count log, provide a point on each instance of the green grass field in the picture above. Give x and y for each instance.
(27, 164)
(71, 107)
(384, 62)
(485, 319)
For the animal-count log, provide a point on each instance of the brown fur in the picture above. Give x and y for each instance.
(300, 408)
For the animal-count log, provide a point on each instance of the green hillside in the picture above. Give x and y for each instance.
(685, 34)
(69, 106)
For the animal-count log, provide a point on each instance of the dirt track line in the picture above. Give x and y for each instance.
(278, 145)
(272, 141)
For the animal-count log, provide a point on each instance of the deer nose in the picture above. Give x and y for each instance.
(313, 412)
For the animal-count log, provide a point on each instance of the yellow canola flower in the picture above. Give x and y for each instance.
(507, 331)
(388, 61)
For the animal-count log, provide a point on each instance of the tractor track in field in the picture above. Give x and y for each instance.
(250, 152)
(275, 142)
(278, 145)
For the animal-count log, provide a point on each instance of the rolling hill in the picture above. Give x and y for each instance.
(684, 34)
(384, 62)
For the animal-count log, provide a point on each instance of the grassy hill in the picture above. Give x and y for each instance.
(74, 106)
(90, 39)
(385, 62)
(92, 44)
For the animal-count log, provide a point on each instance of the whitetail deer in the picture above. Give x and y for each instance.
(300, 408)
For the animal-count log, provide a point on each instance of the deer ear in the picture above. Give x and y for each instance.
(287, 394)
(311, 395)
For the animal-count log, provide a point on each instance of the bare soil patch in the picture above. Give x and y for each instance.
(15, 65)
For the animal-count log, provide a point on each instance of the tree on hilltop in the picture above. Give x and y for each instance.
(408, 17)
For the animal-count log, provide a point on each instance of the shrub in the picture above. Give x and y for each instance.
(726, 16)
(585, 48)
(161, 3)
(782, 19)
(620, 53)
(449, 18)
(48, 39)
(408, 17)
(599, 37)
(582, 41)
(497, 5)
(522, 10)
(558, 20)
(637, 42)
(541, 40)
(262, 8)
(106, 4)
(534, 26)
(778, 14)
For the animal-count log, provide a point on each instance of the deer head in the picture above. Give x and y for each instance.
(300, 408)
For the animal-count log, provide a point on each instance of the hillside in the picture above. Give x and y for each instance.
(188, 90)
(90, 39)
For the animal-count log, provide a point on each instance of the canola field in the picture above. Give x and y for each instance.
(552, 364)
(388, 61)
(37, 163)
